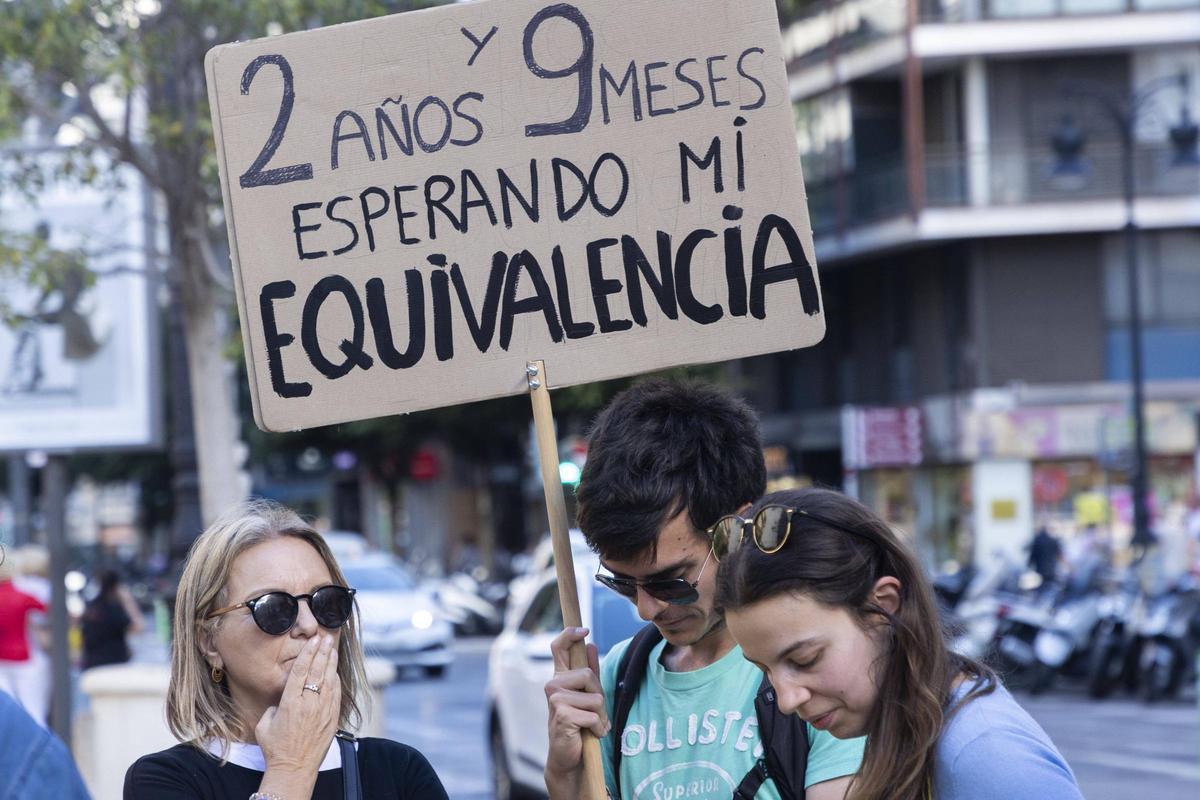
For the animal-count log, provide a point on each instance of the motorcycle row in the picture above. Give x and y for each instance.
(1098, 627)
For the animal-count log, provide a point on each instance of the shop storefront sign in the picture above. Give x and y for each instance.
(882, 437)
(1072, 431)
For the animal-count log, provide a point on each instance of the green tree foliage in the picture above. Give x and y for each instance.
(81, 62)
(28, 259)
(122, 82)
(127, 79)
(790, 10)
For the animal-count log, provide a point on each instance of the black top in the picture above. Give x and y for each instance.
(104, 625)
(389, 771)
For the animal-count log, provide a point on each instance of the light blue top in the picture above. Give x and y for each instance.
(991, 749)
(695, 734)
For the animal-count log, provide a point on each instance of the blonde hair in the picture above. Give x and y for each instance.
(8, 569)
(32, 559)
(199, 710)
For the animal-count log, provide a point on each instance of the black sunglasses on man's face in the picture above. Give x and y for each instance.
(676, 591)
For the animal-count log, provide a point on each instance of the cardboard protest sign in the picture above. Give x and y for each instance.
(420, 204)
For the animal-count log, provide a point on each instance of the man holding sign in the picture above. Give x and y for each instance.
(664, 462)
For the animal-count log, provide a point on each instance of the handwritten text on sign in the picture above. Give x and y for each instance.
(421, 203)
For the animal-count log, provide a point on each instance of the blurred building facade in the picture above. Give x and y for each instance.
(974, 379)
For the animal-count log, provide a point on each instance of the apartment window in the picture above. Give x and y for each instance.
(1170, 278)
(824, 135)
(1170, 305)
(902, 364)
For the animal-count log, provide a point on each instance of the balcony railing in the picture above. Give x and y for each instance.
(812, 32)
(1011, 175)
(1032, 9)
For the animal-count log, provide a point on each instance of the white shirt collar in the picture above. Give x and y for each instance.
(250, 756)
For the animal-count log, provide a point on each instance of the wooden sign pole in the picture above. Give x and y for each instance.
(564, 565)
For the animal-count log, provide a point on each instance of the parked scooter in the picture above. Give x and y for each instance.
(951, 586)
(474, 609)
(974, 613)
(1169, 637)
(1112, 661)
(1050, 631)
(1065, 640)
(1020, 622)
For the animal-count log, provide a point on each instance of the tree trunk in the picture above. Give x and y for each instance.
(175, 92)
(186, 519)
(214, 412)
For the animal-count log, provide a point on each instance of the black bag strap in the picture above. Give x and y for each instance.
(631, 671)
(755, 778)
(351, 783)
(785, 744)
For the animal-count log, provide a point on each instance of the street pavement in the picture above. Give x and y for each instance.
(1121, 748)
(444, 718)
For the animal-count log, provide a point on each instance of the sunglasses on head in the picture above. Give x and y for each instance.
(769, 529)
(276, 612)
(676, 591)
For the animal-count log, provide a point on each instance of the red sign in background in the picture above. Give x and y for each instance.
(1049, 485)
(424, 466)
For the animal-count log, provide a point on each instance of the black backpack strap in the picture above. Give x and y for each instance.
(785, 747)
(755, 778)
(631, 671)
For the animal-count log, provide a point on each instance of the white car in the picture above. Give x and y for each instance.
(520, 664)
(540, 560)
(346, 545)
(400, 621)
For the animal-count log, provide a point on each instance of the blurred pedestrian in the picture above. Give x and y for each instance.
(33, 577)
(266, 665)
(108, 621)
(1087, 556)
(33, 571)
(36, 765)
(15, 650)
(1191, 525)
(1044, 554)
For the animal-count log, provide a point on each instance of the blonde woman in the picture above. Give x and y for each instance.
(265, 668)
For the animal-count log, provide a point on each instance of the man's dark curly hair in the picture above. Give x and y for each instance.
(659, 448)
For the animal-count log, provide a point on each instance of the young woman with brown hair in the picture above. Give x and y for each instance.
(824, 597)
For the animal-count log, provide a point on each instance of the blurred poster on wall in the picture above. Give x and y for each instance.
(79, 363)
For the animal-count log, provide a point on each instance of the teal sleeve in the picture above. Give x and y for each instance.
(608, 680)
(830, 757)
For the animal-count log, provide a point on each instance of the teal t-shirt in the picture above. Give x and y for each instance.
(694, 734)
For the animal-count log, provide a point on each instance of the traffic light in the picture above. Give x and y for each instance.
(569, 472)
